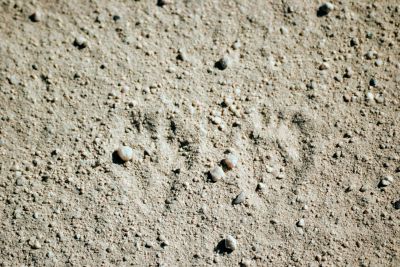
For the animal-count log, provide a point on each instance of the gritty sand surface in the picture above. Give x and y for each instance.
(309, 105)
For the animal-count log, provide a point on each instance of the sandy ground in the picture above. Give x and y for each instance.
(308, 103)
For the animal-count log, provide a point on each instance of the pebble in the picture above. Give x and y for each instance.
(354, 42)
(300, 223)
(36, 16)
(397, 205)
(228, 101)
(164, 2)
(223, 63)
(348, 72)
(261, 186)
(20, 181)
(324, 66)
(125, 89)
(230, 161)
(370, 54)
(34, 243)
(216, 120)
(378, 62)
(379, 98)
(13, 80)
(80, 42)
(369, 96)
(363, 188)
(125, 153)
(116, 17)
(325, 9)
(387, 180)
(182, 55)
(239, 198)
(230, 243)
(217, 174)
(245, 263)
(373, 82)
(236, 45)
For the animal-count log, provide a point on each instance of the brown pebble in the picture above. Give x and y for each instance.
(230, 161)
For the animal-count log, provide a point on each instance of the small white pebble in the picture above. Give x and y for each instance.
(239, 198)
(369, 96)
(217, 174)
(216, 120)
(34, 243)
(378, 62)
(36, 16)
(125, 153)
(261, 186)
(300, 223)
(125, 89)
(387, 180)
(80, 42)
(370, 54)
(228, 101)
(236, 45)
(230, 242)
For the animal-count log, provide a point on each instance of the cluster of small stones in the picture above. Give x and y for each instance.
(228, 163)
(217, 174)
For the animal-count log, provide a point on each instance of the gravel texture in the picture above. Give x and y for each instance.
(296, 102)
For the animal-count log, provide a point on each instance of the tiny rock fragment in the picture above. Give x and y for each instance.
(396, 204)
(370, 54)
(239, 198)
(182, 55)
(223, 63)
(36, 16)
(34, 243)
(354, 42)
(230, 161)
(386, 181)
(324, 66)
(369, 96)
(245, 263)
(325, 9)
(125, 153)
(217, 174)
(300, 223)
(236, 45)
(373, 82)
(80, 42)
(164, 2)
(230, 243)
(348, 72)
(261, 186)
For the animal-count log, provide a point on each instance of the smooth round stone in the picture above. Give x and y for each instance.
(217, 174)
(125, 153)
(230, 243)
(230, 161)
(239, 198)
(223, 63)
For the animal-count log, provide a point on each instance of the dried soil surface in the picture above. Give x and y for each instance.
(308, 103)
